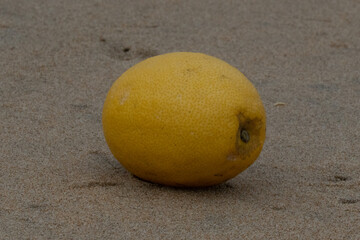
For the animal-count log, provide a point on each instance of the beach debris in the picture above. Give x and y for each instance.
(277, 104)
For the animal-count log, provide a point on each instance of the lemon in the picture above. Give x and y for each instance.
(184, 119)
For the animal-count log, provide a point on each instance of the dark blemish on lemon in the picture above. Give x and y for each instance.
(224, 76)
(248, 128)
(244, 136)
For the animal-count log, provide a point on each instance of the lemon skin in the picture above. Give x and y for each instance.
(184, 119)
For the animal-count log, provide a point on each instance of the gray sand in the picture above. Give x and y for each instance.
(58, 179)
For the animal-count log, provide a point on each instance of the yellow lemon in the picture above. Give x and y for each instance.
(184, 119)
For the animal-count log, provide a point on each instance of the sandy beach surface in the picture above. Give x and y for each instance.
(58, 59)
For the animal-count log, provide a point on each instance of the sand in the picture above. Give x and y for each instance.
(58, 179)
